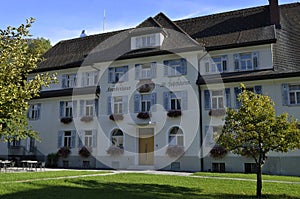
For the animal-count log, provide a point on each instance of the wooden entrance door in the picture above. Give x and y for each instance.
(146, 147)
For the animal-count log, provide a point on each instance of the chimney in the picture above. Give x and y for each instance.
(274, 13)
(83, 34)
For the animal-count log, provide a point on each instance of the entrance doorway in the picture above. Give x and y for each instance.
(146, 146)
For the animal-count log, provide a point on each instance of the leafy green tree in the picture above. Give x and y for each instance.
(38, 46)
(254, 130)
(16, 63)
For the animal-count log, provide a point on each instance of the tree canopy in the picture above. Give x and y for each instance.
(16, 63)
(254, 130)
(38, 46)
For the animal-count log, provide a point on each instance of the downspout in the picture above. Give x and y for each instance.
(201, 129)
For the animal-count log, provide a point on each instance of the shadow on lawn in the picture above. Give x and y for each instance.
(94, 189)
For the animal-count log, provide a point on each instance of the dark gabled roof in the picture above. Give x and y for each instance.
(238, 28)
(286, 51)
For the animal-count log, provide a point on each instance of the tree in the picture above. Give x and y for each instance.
(254, 130)
(16, 63)
(38, 46)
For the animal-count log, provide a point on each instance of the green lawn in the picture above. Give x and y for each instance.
(145, 186)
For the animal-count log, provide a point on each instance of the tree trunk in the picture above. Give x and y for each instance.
(258, 181)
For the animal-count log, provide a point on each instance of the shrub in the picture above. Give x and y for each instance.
(64, 152)
(114, 150)
(66, 120)
(85, 152)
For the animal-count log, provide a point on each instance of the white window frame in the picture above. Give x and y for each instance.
(71, 80)
(176, 100)
(118, 107)
(88, 138)
(89, 108)
(145, 103)
(117, 140)
(217, 99)
(146, 72)
(145, 41)
(295, 92)
(174, 138)
(34, 111)
(67, 139)
(68, 109)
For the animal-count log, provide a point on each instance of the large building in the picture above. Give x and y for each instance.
(150, 97)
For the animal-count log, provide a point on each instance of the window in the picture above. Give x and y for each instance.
(146, 41)
(216, 64)
(246, 61)
(69, 80)
(145, 71)
(90, 78)
(217, 99)
(218, 167)
(117, 74)
(176, 137)
(30, 144)
(89, 107)
(294, 94)
(250, 168)
(117, 138)
(34, 111)
(143, 103)
(175, 100)
(67, 139)
(66, 109)
(175, 67)
(117, 104)
(88, 138)
(14, 143)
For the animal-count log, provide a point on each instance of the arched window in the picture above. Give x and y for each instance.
(117, 138)
(176, 137)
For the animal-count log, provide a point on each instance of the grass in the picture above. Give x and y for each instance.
(145, 186)
(249, 176)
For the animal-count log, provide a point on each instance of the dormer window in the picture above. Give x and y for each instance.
(217, 64)
(146, 41)
(246, 61)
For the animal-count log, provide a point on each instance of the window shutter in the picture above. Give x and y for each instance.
(109, 111)
(64, 81)
(125, 104)
(255, 59)
(207, 100)
(285, 92)
(81, 113)
(97, 107)
(166, 100)
(236, 58)
(59, 139)
(153, 102)
(96, 74)
(74, 108)
(137, 99)
(228, 97)
(184, 99)
(73, 138)
(39, 110)
(125, 75)
(258, 89)
(94, 141)
(61, 109)
(153, 69)
(83, 79)
(29, 111)
(27, 143)
(184, 66)
(237, 91)
(166, 67)
(138, 71)
(80, 138)
(111, 75)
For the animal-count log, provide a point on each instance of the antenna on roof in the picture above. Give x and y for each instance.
(104, 19)
(83, 34)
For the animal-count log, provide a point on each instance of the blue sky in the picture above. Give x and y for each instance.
(65, 19)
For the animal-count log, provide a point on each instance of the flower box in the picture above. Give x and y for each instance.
(143, 115)
(114, 150)
(85, 152)
(66, 120)
(115, 117)
(218, 152)
(175, 151)
(86, 119)
(64, 152)
(174, 113)
(217, 112)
